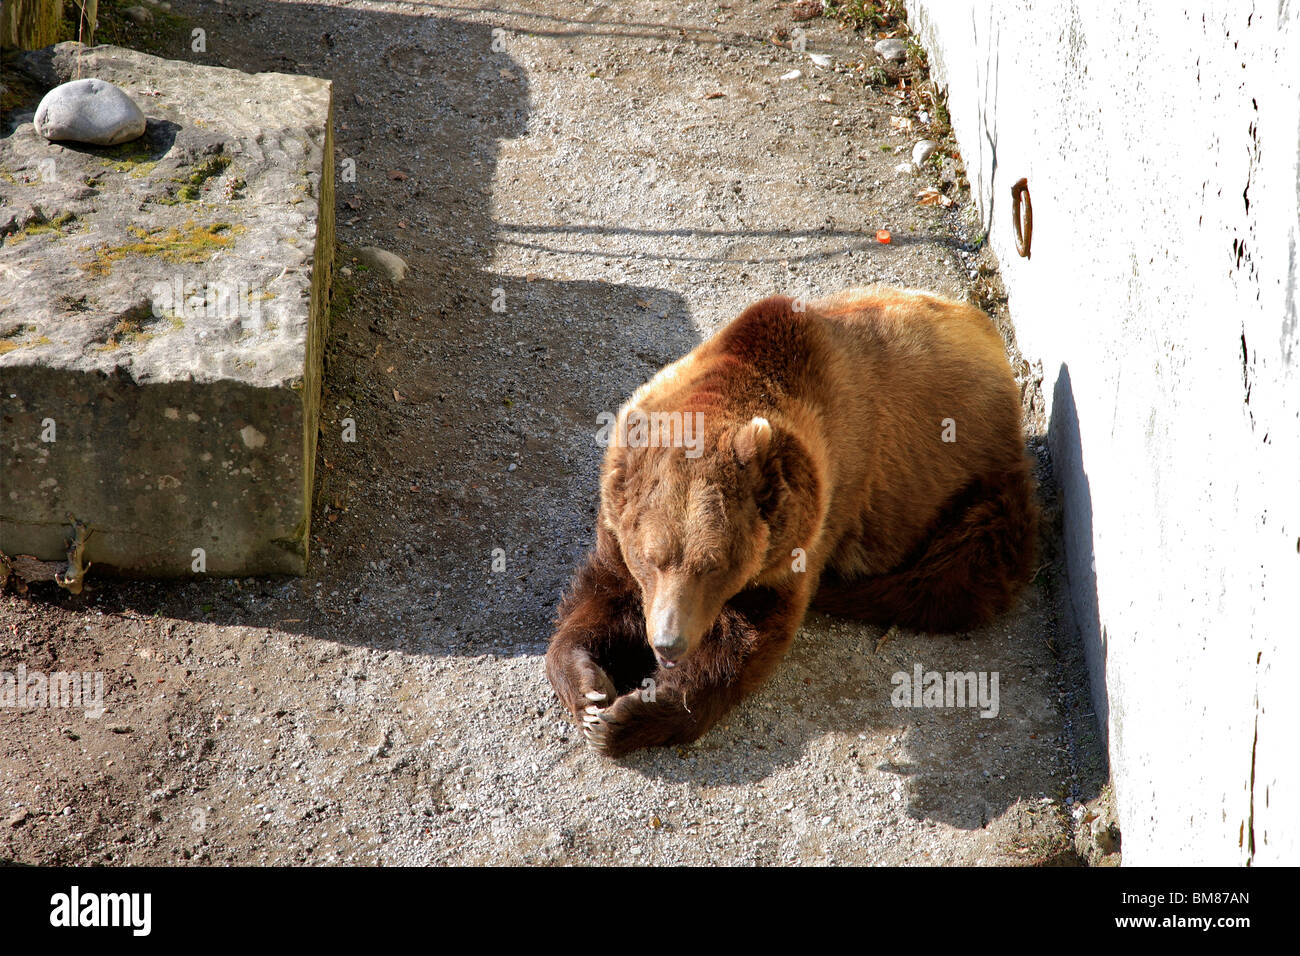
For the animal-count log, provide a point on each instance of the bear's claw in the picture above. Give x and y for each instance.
(596, 730)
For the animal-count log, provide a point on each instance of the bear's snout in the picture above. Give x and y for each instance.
(669, 644)
(666, 632)
(679, 615)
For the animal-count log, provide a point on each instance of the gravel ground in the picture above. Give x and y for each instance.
(577, 206)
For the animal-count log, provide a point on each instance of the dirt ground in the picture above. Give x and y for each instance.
(619, 179)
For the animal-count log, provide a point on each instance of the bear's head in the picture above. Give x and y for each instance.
(696, 526)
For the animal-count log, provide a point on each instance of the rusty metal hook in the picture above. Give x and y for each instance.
(1022, 220)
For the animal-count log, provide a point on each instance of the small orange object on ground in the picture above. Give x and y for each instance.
(882, 236)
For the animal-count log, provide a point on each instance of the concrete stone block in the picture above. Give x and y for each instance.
(163, 309)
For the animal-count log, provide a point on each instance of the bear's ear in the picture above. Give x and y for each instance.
(614, 477)
(752, 441)
(613, 482)
(759, 452)
(780, 472)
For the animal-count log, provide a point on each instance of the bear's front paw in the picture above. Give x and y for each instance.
(579, 681)
(630, 723)
(606, 727)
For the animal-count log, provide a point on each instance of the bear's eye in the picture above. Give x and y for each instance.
(657, 554)
(705, 564)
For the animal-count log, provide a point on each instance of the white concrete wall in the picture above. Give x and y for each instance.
(1160, 141)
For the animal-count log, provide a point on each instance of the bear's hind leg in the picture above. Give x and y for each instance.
(979, 554)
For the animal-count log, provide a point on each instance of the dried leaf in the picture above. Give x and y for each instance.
(805, 10)
(932, 197)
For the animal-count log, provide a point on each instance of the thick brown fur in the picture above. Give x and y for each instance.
(863, 456)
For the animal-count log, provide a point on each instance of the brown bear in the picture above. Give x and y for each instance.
(860, 454)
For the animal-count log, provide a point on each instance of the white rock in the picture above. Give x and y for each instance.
(819, 59)
(923, 151)
(89, 111)
(891, 50)
(386, 262)
(792, 75)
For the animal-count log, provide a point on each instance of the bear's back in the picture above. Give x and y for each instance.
(924, 399)
(913, 325)
(921, 355)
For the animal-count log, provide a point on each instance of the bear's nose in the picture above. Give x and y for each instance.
(669, 645)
